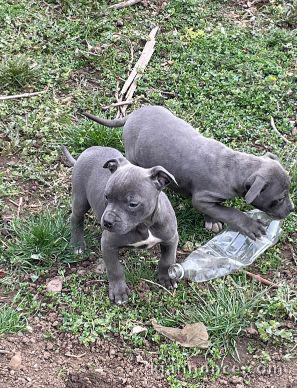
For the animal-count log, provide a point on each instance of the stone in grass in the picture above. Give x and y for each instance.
(55, 284)
(16, 361)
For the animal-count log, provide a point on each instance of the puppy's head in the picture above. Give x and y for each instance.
(131, 194)
(268, 189)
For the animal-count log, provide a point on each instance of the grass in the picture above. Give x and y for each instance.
(11, 321)
(229, 74)
(40, 241)
(226, 311)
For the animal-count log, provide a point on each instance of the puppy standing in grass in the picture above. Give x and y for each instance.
(133, 210)
(205, 169)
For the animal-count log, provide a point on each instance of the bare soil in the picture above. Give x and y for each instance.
(64, 362)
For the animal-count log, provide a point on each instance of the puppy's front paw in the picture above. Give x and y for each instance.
(253, 228)
(119, 292)
(213, 225)
(78, 247)
(165, 281)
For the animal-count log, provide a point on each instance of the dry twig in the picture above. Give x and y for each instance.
(24, 95)
(3, 351)
(19, 206)
(131, 83)
(13, 202)
(74, 355)
(117, 104)
(261, 279)
(273, 126)
(124, 4)
(158, 285)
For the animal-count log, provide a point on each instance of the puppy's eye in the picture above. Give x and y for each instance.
(277, 202)
(133, 205)
(273, 203)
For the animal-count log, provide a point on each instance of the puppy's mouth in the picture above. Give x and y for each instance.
(116, 228)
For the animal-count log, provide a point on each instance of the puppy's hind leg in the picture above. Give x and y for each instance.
(79, 208)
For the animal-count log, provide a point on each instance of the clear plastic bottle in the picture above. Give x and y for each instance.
(226, 252)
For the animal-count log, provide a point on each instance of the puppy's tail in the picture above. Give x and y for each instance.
(68, 156)
(107, 123)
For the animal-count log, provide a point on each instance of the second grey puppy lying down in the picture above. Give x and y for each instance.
(133, 210)
(206, 169)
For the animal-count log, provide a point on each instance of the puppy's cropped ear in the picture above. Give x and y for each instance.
(270, 155)
(254, 185)
(161, 177)
(114, 164)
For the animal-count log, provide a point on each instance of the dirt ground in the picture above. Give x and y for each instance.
(65, 363)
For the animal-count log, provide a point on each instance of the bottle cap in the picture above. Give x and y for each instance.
(176, 271)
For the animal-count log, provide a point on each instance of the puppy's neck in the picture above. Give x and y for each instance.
(152, 218)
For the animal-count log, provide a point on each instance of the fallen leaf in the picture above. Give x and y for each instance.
(188, 246)
(2, 273)
(190, 336)
(251, 330)
(55, 284)
(138, 329)
(16, 361)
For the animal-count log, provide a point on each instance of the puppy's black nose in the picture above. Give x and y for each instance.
(107, 224)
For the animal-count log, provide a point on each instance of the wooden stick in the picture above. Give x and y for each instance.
(158, 285)
(117, 104)
(74, 355)
(124, 4)
(273, 126)
(142, 61)
(19, 206)
(13, 202)
(24, 95)
(3, 351)
(131, 83)
(261, 279)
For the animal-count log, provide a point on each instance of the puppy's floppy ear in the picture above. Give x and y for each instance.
(114, 164)
(254, 185)
(161, 177)
(270, 155)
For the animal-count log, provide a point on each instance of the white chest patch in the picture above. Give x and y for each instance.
(148, 243)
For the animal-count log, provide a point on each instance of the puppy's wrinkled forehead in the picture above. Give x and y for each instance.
(280, 177)
(127, 179)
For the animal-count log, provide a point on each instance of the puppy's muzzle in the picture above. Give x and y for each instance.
(108, 221)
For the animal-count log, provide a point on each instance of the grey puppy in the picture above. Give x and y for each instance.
(205, 169)
(133, 210)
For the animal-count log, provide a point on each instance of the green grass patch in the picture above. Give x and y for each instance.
(17, 73)
(226, 310)
(11, 321)
(40, 241)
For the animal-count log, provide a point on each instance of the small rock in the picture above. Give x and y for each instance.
(138, 329)
(119, 23)
(251, 330)
(16, 361)
(49, 346)
(236, 380)
(55, 284)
